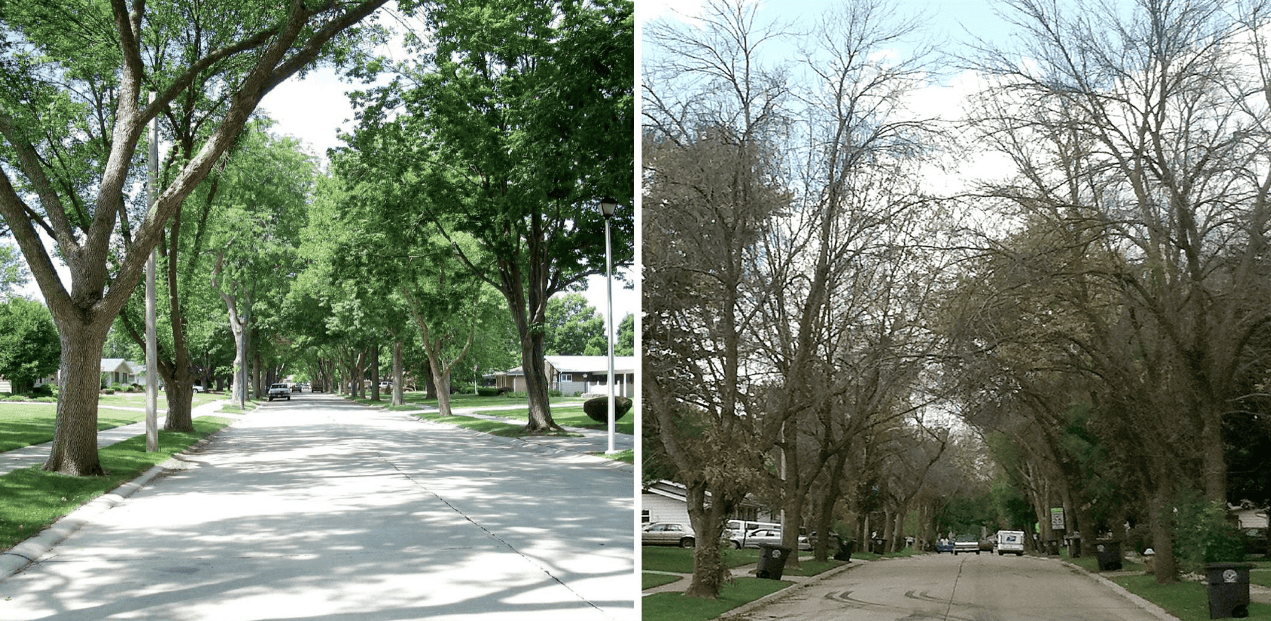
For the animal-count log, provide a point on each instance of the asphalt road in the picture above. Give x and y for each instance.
(316, 508)
(971, 587)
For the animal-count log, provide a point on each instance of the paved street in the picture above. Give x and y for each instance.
(320, 509)
(965, 588)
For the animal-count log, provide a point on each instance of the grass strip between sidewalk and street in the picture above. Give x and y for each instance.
(574, 416)
(491, 427)
(31, 499)
(1189, 601)
(677, 607)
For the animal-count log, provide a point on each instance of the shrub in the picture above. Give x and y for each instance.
(517, 395)
(43, 390)
(488, 391)
(597, 408)
(114, 388)
(16, 398)
(1203, 534)
(554, 393)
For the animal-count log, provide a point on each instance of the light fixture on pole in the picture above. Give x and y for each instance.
(607, 206)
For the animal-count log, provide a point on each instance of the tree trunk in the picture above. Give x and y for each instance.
(398, 398)
(1162, 525)
(708, 519)
(540, 418)
(74, 449)
(375, 372)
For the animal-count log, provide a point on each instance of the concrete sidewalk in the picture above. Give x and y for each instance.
(37, 454)
(319, 508)
(593, 441)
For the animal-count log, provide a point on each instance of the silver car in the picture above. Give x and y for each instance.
(771, 536)
(667, 534)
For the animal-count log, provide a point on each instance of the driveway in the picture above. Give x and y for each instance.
(321, 509)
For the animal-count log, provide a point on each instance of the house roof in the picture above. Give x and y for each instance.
(585, 364)
(112, 365)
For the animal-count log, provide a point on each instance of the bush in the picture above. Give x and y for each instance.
(114, 388)
(487, 391)
(554, 393)
(1203, 534)
(44, 390)
(597, 408)
(16, 398)
(517, 395)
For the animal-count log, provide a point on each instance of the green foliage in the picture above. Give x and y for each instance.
(573, 328)
(13, 272)
(487, 391)
(29, 344)
(625, 343)
(1203, 533)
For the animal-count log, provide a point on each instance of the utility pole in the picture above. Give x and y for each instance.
(152, 340)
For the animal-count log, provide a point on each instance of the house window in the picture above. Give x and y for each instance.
(566, 377)
(644, 516)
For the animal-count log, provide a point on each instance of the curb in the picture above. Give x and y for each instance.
(32, 549)
(1149, 607)
(792, 589)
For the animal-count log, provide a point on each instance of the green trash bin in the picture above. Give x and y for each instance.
(1228, 590)
(1109, 554)
(772, 561)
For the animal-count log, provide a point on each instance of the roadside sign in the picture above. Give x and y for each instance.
(1057, 518)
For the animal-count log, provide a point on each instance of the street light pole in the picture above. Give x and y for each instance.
(152, 340)
(606, 207)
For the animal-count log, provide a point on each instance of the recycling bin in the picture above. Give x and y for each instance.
(846, 548)
(1109, 552)
(1052, 547)
(1228, 590)
(1074, 546)
(772, 561)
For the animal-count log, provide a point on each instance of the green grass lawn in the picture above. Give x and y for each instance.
(677, 607)
(1189, 601)
(31, 499)
(26, 424)
(487, 426)
(1260, 576)
(573, 416)
(650, 580)
(138, 399)
(627, 456)
(418, 398)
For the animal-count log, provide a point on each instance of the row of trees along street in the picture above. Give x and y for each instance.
(467, 190)
(1084, 327)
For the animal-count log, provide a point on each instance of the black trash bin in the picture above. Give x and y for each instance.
(772, 561)
(1074, 546)
(1109, 555)
(1228, 590)
(846, 548)
(1052, 547)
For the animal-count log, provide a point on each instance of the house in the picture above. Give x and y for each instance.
(664, 501)
(7, 387)
(120, 371)
(577, 374)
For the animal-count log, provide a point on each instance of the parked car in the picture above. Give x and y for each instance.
(199, 388)
(667, 534)
(279, 391)
(295, 388)
(944, 545)
(966, 545)
(770, 536)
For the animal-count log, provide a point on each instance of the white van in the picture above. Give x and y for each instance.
(741, 528)
(1010, 541)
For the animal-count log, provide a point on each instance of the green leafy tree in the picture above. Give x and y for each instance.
(509, 133)
(13, 273)
(29, 347)
(72, 119)
(625, 343)
(573, 328)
